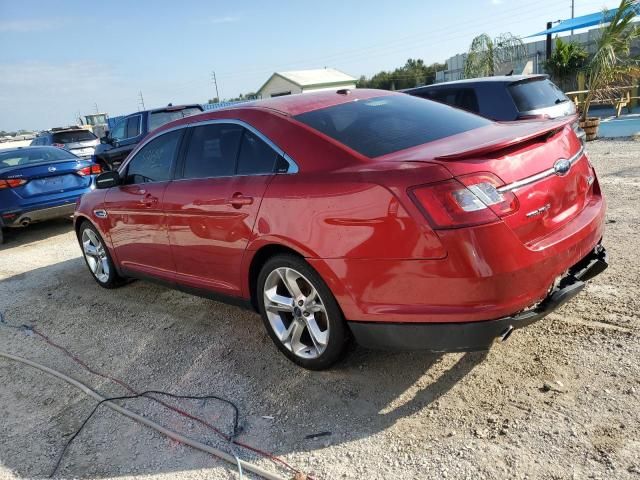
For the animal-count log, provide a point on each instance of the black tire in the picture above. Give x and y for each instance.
(111, 279)
(1, 235)
(331, 317)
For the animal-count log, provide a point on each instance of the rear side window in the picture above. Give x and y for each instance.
(154, 161)
(73, 136)
(133, 127)
(532, 95)
(464, 98)
(212, 151)
(256, 156)
(382, 125)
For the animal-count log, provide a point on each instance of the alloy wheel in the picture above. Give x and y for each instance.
(96, 255)
(296, 313)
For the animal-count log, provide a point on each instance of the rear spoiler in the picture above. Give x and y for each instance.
(529, 131)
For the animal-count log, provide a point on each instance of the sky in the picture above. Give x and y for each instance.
(58, 59)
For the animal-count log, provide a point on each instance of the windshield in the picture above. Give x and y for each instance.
(382, 125)
(27, 156)
(532, 95)
(72, 136)
(160, 118)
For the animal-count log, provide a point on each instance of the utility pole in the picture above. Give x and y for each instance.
(141, 100)
(96, 107)
(549, 25)
(215, 82)
(573, 8)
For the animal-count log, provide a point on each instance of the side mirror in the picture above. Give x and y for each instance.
(108, 179)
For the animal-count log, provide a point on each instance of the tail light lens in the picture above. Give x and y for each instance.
(12, 183)
(464, 201)
(91, 170)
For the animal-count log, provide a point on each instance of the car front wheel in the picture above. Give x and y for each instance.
(97, 257)
(300, 313)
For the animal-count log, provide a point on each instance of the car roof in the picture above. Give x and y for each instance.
(506, 79)
(299, 103)
(170, 108)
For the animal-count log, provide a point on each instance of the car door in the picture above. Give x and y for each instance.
(124, 137)
(211, 210)
(134, 209)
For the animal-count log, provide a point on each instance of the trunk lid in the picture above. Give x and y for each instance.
(523, 156)
(48, 177)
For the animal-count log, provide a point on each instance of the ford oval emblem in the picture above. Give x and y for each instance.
(562, 167)
(52, 169)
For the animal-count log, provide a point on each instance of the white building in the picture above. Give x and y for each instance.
(305, 81)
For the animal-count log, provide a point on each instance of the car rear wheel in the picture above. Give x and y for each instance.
(97, 257)
(300, 313)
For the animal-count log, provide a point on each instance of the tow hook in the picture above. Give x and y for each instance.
(506, 333)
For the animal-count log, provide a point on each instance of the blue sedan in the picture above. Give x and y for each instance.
(40, 183)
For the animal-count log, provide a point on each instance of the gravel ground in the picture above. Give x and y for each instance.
(560, 399)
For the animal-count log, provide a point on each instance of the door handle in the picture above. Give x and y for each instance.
(238, 200)
(149, 200)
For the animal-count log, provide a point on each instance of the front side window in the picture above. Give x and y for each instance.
(118, 131)
(382, 125)
(256, 157)
(154, 161)
(212, 151)
(133, 127)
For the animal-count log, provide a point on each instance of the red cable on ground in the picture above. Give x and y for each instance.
(226, 437)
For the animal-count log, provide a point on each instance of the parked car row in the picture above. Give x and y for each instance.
(401, 222)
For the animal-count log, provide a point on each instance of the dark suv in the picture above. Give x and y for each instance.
(503, 98)
(79, 141)
(129, 130)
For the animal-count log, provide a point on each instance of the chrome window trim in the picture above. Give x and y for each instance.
(293, 166)
(539, 176)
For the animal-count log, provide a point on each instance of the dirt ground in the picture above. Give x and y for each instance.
(560, 399)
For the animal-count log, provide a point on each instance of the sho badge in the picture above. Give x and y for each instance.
(538, 211)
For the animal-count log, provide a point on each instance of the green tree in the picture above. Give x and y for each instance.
(565, 62)
(412, 74)
(612, 62)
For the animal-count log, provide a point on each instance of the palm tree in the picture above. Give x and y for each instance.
(611, 61)
(486, 56)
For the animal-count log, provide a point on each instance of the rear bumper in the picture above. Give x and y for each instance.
(478, 335)
(22, 219)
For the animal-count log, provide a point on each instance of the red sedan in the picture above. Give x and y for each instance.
(399, 221)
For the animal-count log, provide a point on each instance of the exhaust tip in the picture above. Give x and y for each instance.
(506, 333)
(25, 222)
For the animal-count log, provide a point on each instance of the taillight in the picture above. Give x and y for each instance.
(91, 170)
(12, 183)
(464, 201)
(59, 145)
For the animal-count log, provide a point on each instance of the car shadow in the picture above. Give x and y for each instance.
(155, 338)
(18, 237)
